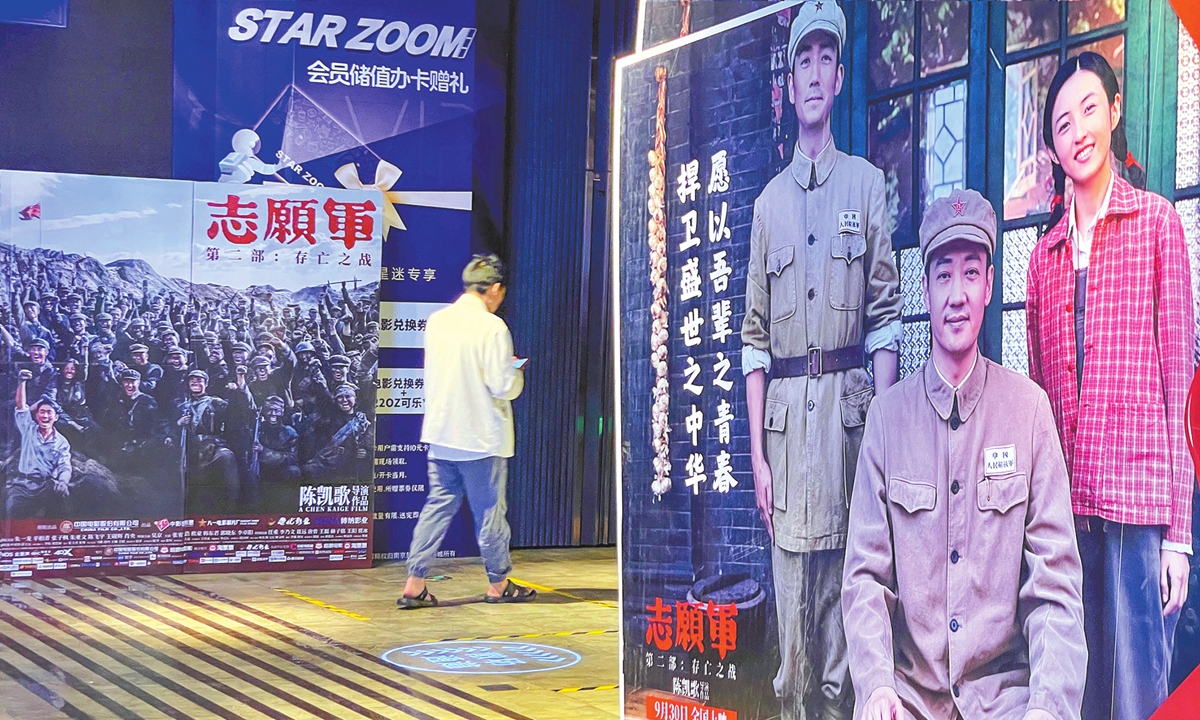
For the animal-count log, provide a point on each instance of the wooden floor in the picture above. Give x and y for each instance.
(304, 645)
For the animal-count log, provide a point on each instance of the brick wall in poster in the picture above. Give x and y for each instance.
(719, 98)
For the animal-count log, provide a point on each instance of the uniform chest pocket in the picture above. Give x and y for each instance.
(1001, 493)
(846, 279)
(781, 282)
(912, 497)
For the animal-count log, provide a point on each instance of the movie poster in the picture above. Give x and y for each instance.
(188, 381)
(404, 99)
(734, 255)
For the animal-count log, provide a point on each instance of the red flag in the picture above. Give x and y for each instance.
(31, 212)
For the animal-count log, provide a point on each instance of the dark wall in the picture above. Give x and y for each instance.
(561, 479)
(94, 97)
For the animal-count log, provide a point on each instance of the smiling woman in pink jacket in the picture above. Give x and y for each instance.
(1109, 314)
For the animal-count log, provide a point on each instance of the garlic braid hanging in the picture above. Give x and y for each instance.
(660, 418)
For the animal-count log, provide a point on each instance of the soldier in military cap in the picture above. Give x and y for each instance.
(211, 467)
(172, 388)
(43, 479)
(43, 380)
(277, 447)
(139, 428)
(139, 357)
(72, 303)
(239, 353)
(339, 442)
(31, 327)
(56, 321)
(80, 338)
(822, 296)
(104, 328)
(133, 334)
(221, 376)
(339, 370)
(963, 583)
(310, 387)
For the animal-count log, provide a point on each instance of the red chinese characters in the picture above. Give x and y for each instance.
(238, 228)
(289, 220)
(683, 626)
(351, 220)
(292, 220)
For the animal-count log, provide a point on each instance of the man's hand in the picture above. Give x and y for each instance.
(764, 496)
(62, 488)
(883, 704)
(24, 375)
(185, 420)
(1173, 580)
(1038, 714)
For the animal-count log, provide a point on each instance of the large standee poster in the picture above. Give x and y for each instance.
(181, 386)
(404, 98)
(699, 139)
(720, 619)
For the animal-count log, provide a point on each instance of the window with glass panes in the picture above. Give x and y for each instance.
(1039, 37)
(917, 92)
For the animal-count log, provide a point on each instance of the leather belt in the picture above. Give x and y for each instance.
(818, 362)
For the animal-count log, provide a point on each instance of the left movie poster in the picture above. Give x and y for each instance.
(184, 382)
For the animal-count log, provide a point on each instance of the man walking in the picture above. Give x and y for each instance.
(963, 586)
(471, 378)
(822, 294)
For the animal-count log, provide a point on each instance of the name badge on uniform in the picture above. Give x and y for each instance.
(850, 221)
(1000, 460)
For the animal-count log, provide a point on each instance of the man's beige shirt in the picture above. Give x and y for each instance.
(821, 275)
(962, 582)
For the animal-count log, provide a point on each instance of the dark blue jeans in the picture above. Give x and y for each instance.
(1129, 641)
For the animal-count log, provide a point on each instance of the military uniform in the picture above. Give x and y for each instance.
(822, 293)
(963, 582)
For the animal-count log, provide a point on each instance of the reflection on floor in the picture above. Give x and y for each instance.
(309, 645)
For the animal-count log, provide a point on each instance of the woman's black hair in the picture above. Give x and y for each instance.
(1097, 65)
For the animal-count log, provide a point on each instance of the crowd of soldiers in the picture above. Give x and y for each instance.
(222, 397)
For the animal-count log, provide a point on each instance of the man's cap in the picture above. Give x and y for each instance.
(77, 316)
(164, 325)
(29, 302)
(274, 400)
(138, 347)
(39, 342)
(72, 296)
(177, 351)
(345, 389)
(104, 316)
(820, 15)
(260, 360)
(137, 321)
(243, 347)
(963, 215)
(130, 374)
(48, 297)
(339, 361)
(199, 374)
(264, 338)
(483, 270)
(305, 346)
(210, 336)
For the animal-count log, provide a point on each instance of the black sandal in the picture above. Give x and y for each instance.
(513, 593)
(424, 600)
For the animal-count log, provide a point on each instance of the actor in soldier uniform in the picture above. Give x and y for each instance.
(42, 481)
(139, 429)
(277, 447)
(150, 373)
(341, 437)
(209, 462)
(962, 591)
(822, 294)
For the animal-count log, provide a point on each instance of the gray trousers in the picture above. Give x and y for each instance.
(483, 483)
(814, 673)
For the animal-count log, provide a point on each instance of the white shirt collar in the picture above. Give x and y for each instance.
(1081, 238)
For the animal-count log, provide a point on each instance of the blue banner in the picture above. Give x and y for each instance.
(407, 100)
